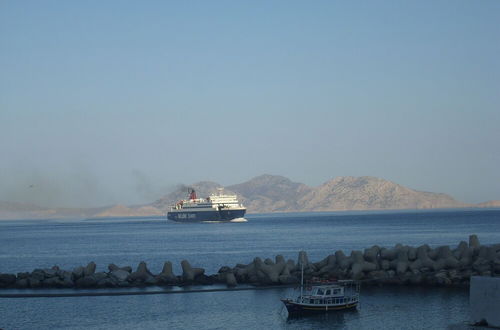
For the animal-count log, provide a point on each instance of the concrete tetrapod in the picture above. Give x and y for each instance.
(142, 275)
(167, 274)
(189, 273)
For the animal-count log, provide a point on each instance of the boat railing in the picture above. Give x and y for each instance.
(328, 300)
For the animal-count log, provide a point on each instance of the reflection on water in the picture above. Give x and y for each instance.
(337, 319)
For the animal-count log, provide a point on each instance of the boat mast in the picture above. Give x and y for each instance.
(301, 279)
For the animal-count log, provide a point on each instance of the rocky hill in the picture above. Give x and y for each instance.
(125, 211)
(11, 210)
(270, 193)
(492, 204)
(369, 193)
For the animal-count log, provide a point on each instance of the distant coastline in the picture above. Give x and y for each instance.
(291, 213)
(270, 194)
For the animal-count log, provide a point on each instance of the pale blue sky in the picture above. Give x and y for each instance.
(118, 101)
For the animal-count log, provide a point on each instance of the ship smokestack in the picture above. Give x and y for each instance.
(192, 195)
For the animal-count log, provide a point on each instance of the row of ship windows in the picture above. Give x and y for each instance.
(225, 203)
(203, 207)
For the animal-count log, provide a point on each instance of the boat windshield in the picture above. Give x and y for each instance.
(328, 291)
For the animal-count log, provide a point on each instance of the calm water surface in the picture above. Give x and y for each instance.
(25, 245)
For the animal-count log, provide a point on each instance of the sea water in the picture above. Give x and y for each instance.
(26, 245)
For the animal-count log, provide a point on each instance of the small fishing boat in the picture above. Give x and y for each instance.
(323, 296)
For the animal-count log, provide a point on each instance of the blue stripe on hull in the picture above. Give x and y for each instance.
(223, 215)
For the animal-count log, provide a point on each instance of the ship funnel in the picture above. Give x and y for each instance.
(192, 195)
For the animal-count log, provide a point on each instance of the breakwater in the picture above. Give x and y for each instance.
(398, 265)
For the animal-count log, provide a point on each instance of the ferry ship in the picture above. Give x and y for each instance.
(218, 207)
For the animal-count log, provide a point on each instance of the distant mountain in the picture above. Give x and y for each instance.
(269, 193)
(12, 210)
(124, 211)
(17, 207)
(369, 193)
(489, 204)
(274, 193)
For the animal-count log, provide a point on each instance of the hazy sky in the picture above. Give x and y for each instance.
(118, 101)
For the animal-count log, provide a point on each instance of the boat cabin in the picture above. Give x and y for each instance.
(338, 294)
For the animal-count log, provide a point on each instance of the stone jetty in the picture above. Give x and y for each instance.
(398, 265)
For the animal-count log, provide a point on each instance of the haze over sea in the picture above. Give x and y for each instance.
(41, 244)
